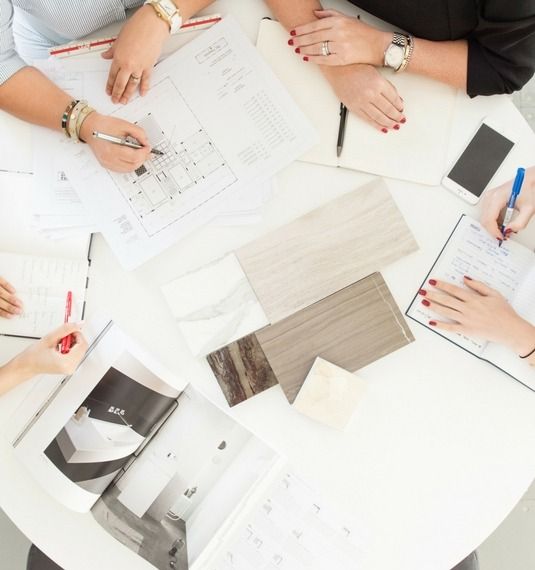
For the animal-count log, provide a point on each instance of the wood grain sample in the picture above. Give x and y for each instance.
(350, 328)
(326, 250)
(241, 369)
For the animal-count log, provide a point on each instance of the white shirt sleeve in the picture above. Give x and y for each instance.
(10, 62)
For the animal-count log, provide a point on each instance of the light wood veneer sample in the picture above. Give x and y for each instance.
(326, 250)
(350, 328)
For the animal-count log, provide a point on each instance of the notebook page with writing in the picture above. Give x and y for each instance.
(408, 154)
(524, 304)
(471, 251)
(42, 284)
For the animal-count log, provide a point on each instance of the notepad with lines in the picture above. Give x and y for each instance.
(510, 269)
(42, 284)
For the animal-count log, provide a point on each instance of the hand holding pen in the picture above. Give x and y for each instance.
(496, 200)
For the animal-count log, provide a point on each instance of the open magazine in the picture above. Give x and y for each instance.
(172, 476)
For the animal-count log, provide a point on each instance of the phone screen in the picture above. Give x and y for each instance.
(480, 160)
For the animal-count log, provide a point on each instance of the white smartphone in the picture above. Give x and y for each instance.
(474, 170)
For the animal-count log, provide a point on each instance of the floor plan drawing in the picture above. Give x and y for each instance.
(159, 191)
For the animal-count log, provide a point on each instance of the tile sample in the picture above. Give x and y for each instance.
(241, 369)
(351, 329)
(326, 250)
(214, 305)
(329, 394)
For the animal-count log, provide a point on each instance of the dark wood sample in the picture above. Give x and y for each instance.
(241, 369)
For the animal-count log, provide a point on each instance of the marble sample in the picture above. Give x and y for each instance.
(241, 369)
(350, 328)
(214, 305)
(329, 394)
(326, 250)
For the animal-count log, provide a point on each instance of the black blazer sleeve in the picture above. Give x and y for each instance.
(501, 49)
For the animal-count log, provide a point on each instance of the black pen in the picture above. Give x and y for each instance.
(341, 129)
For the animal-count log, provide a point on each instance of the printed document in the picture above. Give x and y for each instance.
(222, 121)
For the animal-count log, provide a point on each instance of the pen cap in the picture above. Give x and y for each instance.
(519, 179)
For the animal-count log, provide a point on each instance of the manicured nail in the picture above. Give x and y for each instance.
(432, 323)
(425, 303)
(384, 130)
(468, 278)
(432, 282)
(508, 230)
(422, 292)
(297, 50)
(290, 42)
(396, 127)
(305, 58)
(293, 33)
(403, 120)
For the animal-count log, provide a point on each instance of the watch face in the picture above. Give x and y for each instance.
(168, 6)
(394, 56)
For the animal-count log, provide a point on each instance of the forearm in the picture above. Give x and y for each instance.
(446, 62)
(12, 374)
(522, 340)
(189, 8)
(31, 96)
(294, 13)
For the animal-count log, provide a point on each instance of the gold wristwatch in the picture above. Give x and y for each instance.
(168, 12)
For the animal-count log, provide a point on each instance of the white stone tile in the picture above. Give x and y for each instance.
(214, 305)
(330, 394)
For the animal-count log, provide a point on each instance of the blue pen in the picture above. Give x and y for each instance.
(517, 186)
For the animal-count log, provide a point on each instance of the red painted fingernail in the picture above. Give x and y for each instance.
(432, 323)
(290, 42)
(305, 58)
(422, 292)
(404, 120)
(293, 33)
(383, 130)
(468, 278)
(508, 230)
(432, 282)
(396, 127)
(425, 303)
(297, 50)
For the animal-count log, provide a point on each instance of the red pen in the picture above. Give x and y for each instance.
(67, 340)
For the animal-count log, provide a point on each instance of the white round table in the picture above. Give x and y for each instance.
(440, 449)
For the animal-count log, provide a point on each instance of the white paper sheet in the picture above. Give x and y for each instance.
(222, 120)
(42, 284)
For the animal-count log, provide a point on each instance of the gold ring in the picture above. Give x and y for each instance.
(134, 78)
(325, 51)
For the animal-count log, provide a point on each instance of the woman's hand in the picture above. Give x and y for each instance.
(10, 304)
(349, 40)
(478, 311)
(113, 156)
(44, 357)
(494, 201)
(134, 54)
(365, 92)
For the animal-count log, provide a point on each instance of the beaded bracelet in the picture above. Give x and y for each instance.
(65, 116)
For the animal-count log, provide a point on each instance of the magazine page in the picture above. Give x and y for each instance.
(194, 475)
(97, 420)
(290, 527)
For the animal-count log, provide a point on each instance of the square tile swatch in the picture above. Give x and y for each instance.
(214, 305)
(351, 328)
(326, 250)
(241, 369)
(329, 394)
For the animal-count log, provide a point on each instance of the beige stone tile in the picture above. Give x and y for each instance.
(329, 394)
(326, 250)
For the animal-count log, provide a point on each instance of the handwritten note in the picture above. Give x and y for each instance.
(42, 284)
